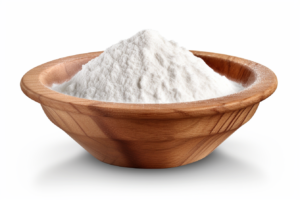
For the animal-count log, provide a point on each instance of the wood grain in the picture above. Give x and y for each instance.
(150, 135)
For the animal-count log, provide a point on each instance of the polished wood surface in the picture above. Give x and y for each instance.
(150, 135)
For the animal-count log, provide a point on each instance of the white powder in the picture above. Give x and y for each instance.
(147, 68)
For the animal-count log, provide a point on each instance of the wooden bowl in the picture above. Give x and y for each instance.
(150, 135)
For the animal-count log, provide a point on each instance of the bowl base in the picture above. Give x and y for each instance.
(146, 154)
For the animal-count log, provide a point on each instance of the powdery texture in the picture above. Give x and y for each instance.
(147, 68)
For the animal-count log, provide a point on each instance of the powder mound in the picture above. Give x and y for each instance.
(147, 68)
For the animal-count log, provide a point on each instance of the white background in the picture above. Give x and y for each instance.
(259, 161)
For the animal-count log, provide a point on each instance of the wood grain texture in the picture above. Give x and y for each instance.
(150, 135)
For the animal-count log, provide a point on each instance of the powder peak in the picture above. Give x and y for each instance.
(147, 68)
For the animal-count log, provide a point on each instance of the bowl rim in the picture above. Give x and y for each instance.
(264, 85)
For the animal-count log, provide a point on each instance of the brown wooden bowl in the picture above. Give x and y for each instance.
(150, 135)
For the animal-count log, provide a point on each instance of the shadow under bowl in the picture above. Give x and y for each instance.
(150, 135)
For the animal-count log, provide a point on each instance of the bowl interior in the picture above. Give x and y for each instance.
(62, 72)
(232, 70)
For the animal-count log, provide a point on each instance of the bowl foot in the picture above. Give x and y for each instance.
(150, 154)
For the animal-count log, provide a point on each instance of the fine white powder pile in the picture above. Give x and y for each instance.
(147, 68)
